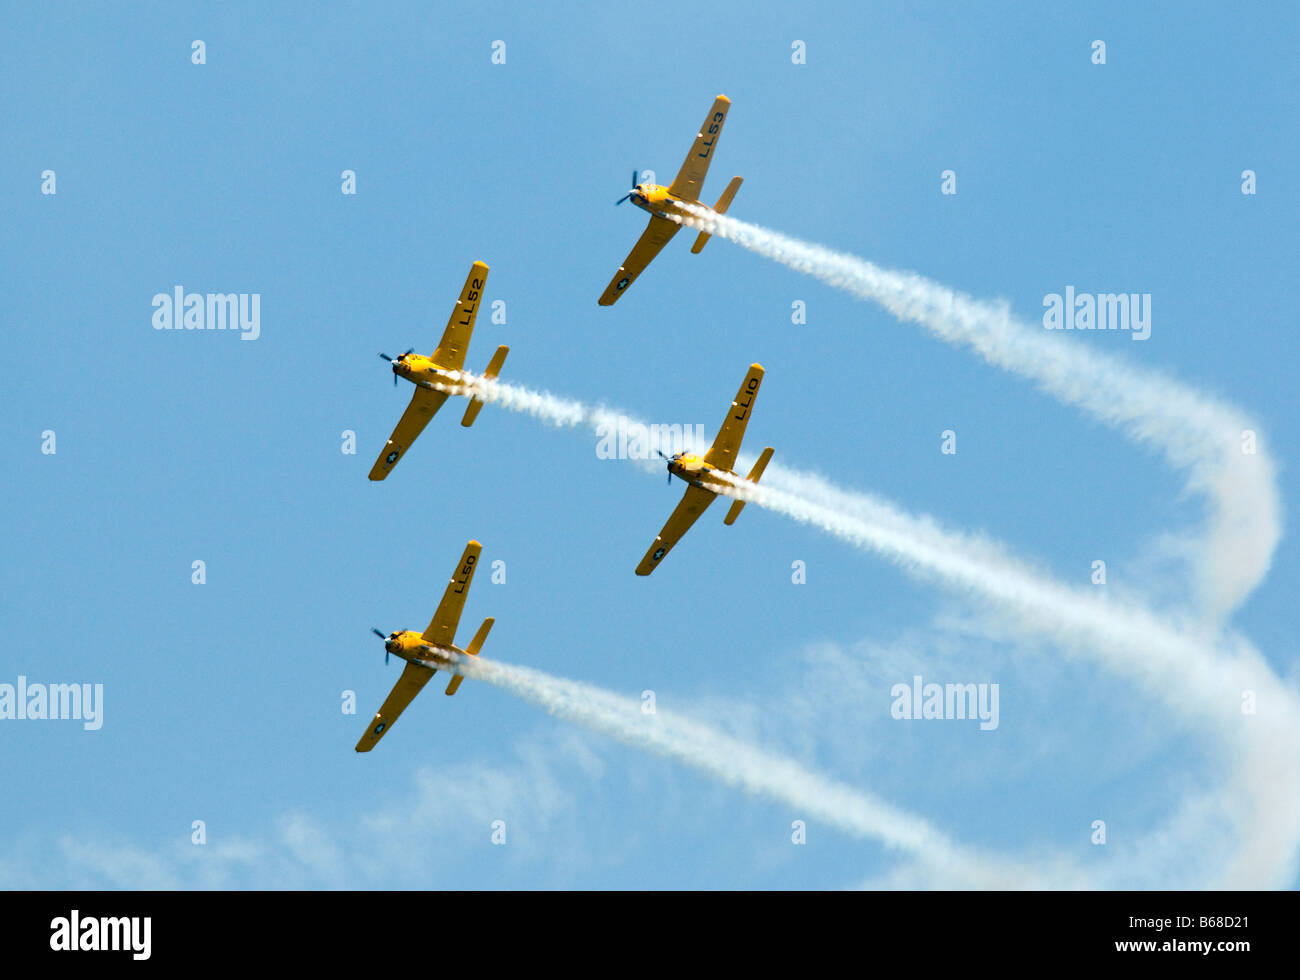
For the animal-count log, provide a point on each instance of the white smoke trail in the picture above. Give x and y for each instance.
(1195, 681)
(552, 409)
(1192, 678)
(562, 413)
(745, 767)
(1130, 639)
(1194, 431)
(919, 545)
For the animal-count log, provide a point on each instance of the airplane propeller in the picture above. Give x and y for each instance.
(629, 193)
(384, 637)
(393, 361)
(670, 464)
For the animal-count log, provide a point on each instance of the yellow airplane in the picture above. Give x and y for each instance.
(701, 473)
(424, 372)
(662, 201)
(425, 652)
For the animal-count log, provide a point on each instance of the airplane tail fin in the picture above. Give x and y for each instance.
(738, 505)
(494, 366)
(475, 645)
(724, 202)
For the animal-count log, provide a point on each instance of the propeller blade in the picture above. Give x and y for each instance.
(394, 379)
(386, 357)
(635, 174)
(409, 350)
(384, 637)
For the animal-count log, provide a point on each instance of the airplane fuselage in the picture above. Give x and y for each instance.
(414, 648)
(421, 370)
(659, 201)
(695, 471)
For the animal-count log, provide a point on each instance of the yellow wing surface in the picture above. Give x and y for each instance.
(657, 234)
(413, 678)
(424, 405)
(690, 179)
(451, 350)
(694, 503)
(727, 444)
(442, 628)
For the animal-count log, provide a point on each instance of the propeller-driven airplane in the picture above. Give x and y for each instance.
(661, 202)
(702, 474)
(425, 652)
(425, 372)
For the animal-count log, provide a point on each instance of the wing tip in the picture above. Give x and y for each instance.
(480, 264)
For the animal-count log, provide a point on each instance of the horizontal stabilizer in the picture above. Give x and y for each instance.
(475, 645)
(724, 202)
(493, 368)
(739, 505)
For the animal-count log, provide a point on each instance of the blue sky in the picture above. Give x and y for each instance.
(222, 701)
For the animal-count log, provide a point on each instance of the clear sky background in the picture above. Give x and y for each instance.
(223, 701)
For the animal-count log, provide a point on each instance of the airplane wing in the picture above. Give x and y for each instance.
(424, 405)
(695, 502)
(455, 339)
(727, 444)
(413, 678)
(690, 179)
(656, 236)
(442, 628)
